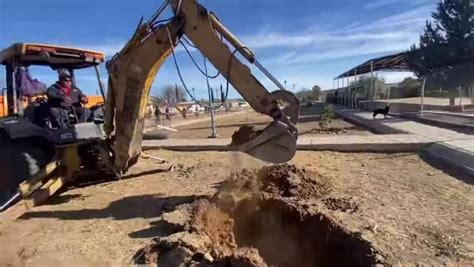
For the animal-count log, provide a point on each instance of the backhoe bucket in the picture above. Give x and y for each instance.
(274, 144)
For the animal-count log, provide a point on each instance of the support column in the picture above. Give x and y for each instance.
(11, 98)
(372, 84)
(342, 91)
(472, 93)
(348, 92)
(422, 107)
(356, 89)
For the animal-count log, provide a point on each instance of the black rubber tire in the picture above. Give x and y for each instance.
(21, 159)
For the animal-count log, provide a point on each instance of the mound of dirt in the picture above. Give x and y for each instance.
(283, 180)
(257, 218)
(289, 181)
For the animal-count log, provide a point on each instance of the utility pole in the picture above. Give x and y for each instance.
(222, 95)
(194, 94)
(211, 111)
(176, 92)
(211, 106)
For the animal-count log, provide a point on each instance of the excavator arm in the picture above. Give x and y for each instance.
(133, 69)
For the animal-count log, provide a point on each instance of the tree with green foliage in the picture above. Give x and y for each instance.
(327, 116)
(446, 42)
(409, 87)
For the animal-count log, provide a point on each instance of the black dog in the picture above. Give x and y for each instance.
(383, 111)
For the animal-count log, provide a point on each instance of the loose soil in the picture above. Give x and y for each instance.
(260, 215)
(371, 208)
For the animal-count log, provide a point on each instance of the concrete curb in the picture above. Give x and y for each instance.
(452, 156)
(366, 147)
(462, 128)
(454, 114)
(189, 148)
(388, 147)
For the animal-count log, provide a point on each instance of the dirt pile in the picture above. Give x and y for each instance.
(276, 181)
(257, 218)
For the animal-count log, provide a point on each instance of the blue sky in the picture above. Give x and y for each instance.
(303, 42)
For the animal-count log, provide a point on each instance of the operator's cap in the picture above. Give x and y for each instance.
(63, 74)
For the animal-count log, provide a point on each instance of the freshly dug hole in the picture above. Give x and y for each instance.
(287, 235)
(258, 219)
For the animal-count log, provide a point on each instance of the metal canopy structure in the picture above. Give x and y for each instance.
(452, 54)
(395, 62)
(348, 93)
(440, 58)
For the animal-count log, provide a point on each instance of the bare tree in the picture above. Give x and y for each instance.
(173, 94)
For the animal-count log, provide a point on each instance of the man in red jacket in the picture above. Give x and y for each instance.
(63, 98)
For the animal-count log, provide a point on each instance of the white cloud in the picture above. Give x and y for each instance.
(383, 3)
(410, 20)
(303, 53)
(299, 49)
(379, 3)
(369, 48)
(386, 35)
(269, 40)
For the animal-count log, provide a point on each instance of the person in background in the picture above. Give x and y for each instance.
(157, 115)
(167, 113)
(64, 98)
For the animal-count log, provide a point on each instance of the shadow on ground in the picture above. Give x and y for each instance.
(85, 181)
(447, 168)
(158, 228)
(223, 126)
(145, 206)
(61, 199)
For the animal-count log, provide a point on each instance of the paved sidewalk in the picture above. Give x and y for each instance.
(432, 133)
(451, 147)
(461, 124)
(466, 114)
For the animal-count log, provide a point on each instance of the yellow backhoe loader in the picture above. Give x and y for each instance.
(113, 145)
